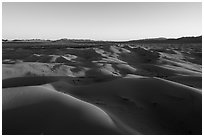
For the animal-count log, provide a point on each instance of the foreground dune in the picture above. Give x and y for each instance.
(131, 105)
(40, 110)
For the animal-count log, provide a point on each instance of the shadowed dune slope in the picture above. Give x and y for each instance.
(193, 81)
(40, 80)
(148, 105)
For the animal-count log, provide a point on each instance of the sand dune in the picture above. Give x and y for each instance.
(193, 81)
(112, 89)
(162, 107)
(39, 110)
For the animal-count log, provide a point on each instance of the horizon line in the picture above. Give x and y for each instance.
(100, 40)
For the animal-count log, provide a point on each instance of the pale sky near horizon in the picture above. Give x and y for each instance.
(100, 21)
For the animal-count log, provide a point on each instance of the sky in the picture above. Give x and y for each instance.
(100, 21)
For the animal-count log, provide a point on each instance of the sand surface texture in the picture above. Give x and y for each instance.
(112, 89)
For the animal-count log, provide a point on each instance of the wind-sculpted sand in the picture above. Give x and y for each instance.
(40, 110)
(102, 90)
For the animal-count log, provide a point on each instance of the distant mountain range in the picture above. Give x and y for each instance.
(197, 39)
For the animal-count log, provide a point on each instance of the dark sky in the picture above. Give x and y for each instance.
(101, 21)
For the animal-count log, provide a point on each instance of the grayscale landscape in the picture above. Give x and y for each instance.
(150, 86)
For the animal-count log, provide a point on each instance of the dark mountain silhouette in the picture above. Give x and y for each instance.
(91, 43)
(197, 39)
